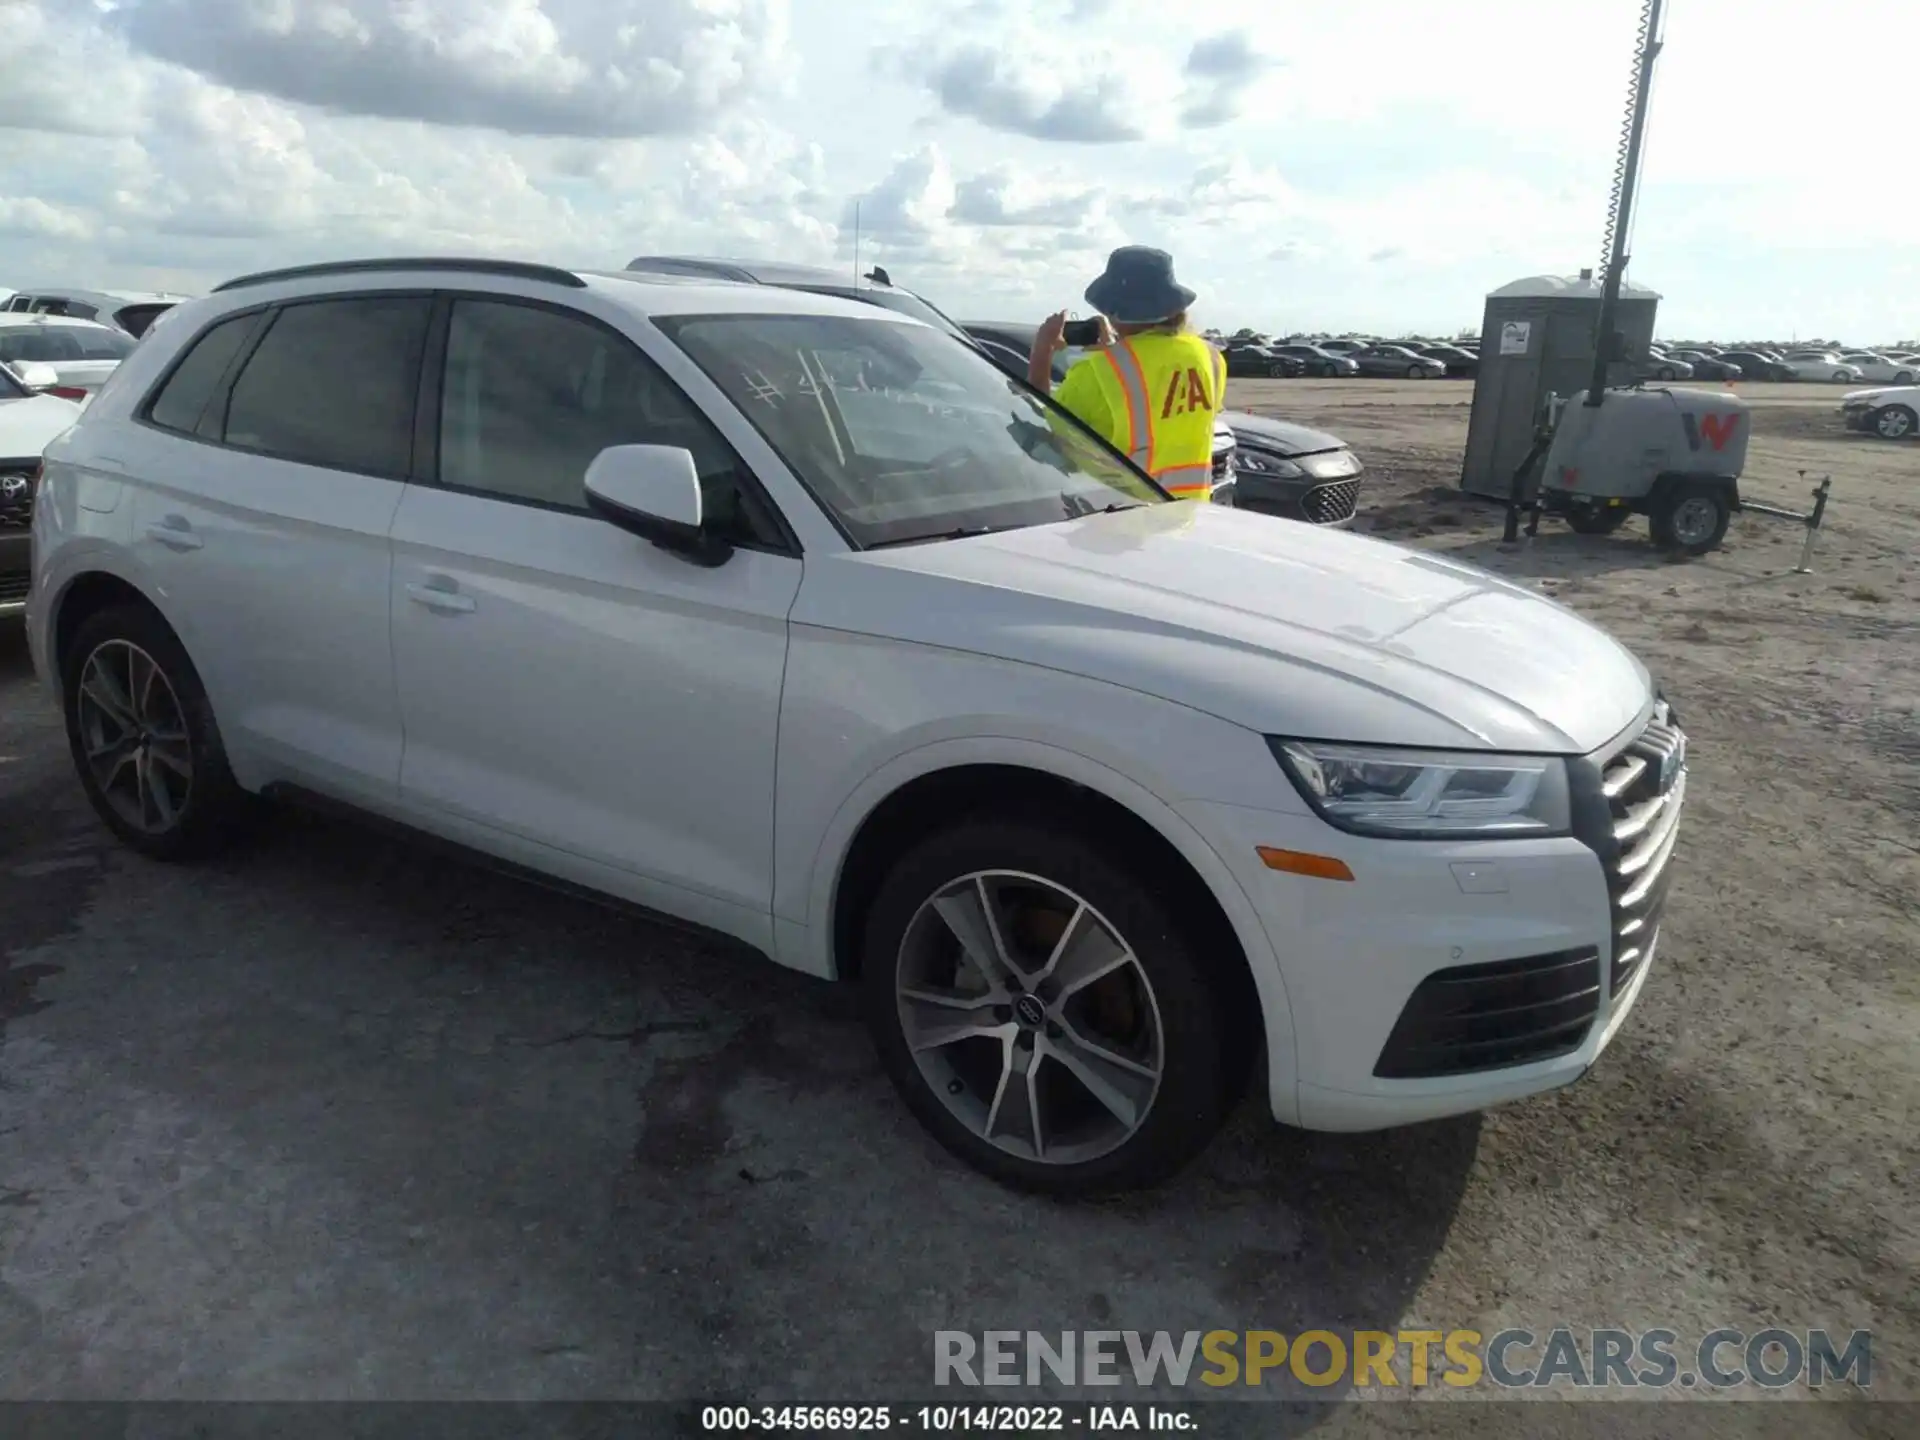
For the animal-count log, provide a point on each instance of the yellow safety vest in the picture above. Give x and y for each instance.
(1164, 390)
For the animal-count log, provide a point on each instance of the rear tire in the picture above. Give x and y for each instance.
(1894, 422)
(144, 740)
(1691, 518)
(1153, 1031)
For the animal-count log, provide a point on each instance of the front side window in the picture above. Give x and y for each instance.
(101, 343)
(901, 434)
(332, 383)
(532, 395)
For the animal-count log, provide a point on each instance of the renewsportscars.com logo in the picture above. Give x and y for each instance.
(1721, 1359)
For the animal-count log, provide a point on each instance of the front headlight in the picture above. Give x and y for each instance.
(1262, 462)
(1429, 794)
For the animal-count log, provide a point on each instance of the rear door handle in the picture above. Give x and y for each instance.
(440, 593)
(175, 533)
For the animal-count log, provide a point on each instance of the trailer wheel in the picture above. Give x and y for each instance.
(1691, 517)
(1590, 519)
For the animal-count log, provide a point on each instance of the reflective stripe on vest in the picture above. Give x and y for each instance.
(1187, 482)
(1133, 387)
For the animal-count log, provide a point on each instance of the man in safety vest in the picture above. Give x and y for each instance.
(1153, 388)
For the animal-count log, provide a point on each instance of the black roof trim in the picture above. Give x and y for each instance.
(516, 269)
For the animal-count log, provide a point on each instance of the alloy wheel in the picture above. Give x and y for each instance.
(1893, 423)
(133, 733)
(1030, 1017)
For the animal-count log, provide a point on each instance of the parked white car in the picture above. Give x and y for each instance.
(1892, 414)
(1098, 797)
(1820, 365)
(28, 421)
(81, 353)
(1882, 368)
(133, 311)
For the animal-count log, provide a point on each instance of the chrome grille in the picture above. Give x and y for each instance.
(1330, 504)
(1645, 787)
(16, 493)
(15, 588)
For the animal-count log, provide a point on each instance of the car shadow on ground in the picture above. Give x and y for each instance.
(683, 1160)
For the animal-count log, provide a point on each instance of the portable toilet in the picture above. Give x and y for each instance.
(1537, 337)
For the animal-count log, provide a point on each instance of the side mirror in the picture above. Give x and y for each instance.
(36, 375)
(654, 492)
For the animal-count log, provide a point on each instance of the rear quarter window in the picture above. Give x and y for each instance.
(182, 397)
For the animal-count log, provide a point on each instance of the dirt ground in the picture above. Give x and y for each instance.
(340, 1118)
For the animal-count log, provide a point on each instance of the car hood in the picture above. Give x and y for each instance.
(28, 426)
(1282, 436)
(1884, 392)
(1286, 629)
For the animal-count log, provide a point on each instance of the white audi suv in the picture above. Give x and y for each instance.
(795, 619)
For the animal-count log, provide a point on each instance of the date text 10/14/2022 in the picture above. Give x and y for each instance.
(945, 1419)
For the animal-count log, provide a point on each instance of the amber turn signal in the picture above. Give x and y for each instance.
(1299, 862)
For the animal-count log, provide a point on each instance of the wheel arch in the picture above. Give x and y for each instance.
(933, 786)
(1668, 481)
(83, 595)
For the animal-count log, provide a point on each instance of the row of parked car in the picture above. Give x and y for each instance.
(1710, 362)
(1333, 359)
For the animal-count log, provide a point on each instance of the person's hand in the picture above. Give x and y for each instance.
(1050, 338)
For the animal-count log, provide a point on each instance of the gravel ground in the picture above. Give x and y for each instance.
(339, 1118)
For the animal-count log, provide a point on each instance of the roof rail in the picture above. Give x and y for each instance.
(517, 269)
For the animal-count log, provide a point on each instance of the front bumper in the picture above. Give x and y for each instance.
(16, 571)
(1326, 499)
(1856, 417)
(1448, 977)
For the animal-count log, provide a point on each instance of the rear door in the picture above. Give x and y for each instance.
(264, 521)
(562, 680)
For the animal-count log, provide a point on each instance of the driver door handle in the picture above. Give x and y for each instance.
(175, 532)
(441, 594)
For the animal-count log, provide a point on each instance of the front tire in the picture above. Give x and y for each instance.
(143, 738)
(1894, 422)
(1905, 377)
(1042, 1011)
(1666, 373)
(1692, 517)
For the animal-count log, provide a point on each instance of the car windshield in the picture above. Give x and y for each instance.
(902, 434)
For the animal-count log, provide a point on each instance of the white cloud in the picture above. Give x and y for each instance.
(998, 150)
(547, 67)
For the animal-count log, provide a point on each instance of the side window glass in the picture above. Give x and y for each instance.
(332, 383)
(183, 396)
(531, 396)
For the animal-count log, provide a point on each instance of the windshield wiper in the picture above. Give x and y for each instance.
(964, 532)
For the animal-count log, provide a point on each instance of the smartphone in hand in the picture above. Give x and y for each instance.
(1081, 334)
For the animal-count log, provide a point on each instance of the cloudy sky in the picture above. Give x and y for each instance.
(1373, 164)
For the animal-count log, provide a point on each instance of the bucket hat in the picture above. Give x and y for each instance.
(1138, 288)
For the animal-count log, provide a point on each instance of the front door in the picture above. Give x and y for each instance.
(562, 680)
